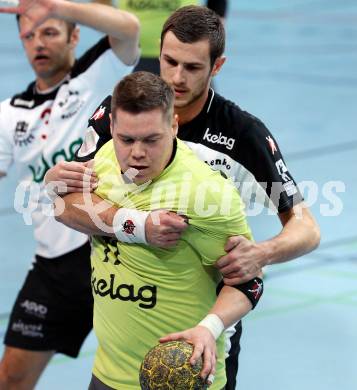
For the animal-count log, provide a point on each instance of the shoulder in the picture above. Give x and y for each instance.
(202, 178)
(26, 99)
(249, 131)
(100, 120)
(98, 131)
(90, 56)
(231, 116)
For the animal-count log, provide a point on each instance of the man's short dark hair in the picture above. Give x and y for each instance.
(192, 23)
(141, 92)
(70, 26)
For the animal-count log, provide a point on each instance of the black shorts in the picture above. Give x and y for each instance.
(232, 359)
(96, 384)
(54, 308)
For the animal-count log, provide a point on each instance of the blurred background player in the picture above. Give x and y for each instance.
(45, 123)
(152, 16)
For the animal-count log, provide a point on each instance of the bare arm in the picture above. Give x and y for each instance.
(90, 214)
(121, 26)
(300, 235)
(106, 2)
(87, 213)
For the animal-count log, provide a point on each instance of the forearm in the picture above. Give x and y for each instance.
(116, 23)
(106, 2)
(300, 235)
(94, 219)
(231, 306)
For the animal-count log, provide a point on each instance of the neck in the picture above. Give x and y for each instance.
(186, 114)
(43, 83)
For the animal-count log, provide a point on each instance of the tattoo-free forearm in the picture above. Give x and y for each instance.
(73, 211)
(231, 305)
(111, 21)
(300, 235)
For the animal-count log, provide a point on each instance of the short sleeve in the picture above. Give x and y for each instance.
(208, 236)
(259, 152)
(98, 132)
(6, 141)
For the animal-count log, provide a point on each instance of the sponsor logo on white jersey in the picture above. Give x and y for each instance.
(219, 139)
(23, 135)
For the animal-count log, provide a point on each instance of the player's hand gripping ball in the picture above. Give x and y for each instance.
(167, 367)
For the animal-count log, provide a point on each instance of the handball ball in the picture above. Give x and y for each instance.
(167, 367)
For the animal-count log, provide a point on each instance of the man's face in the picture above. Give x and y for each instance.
(143, 141)
(49, 49)
(186, 67)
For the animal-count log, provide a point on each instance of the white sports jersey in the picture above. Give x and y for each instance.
(39, 130)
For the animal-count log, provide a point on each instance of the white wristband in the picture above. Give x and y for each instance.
(214, 324)
(129, 225)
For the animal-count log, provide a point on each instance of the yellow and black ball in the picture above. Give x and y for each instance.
(167, 367)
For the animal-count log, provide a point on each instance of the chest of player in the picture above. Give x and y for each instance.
(49, 132)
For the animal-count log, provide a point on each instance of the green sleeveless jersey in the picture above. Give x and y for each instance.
(152, 15)
(142, 293)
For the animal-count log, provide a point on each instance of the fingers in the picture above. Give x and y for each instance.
(76, 176)
(233, 278)
(173, 222)
(89, 164)
(172, 337)
(74, 166)
(170, 240)
(209, 361)
(233, 242)
(210, 379)
(164, 228)
(224, 261)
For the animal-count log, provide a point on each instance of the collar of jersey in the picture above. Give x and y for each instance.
(202, 114)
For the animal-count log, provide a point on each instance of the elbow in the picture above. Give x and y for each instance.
(312, 235)
(136, 25)
(60, 211)
(58, 217)
(312, 231)
(315, 236)
(134, 30)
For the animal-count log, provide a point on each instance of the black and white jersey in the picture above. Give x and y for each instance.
(229, 140)
(37, 130)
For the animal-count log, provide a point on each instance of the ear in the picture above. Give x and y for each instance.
(175, 125)
(111, 124)
(74, 38)
(218, 65)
